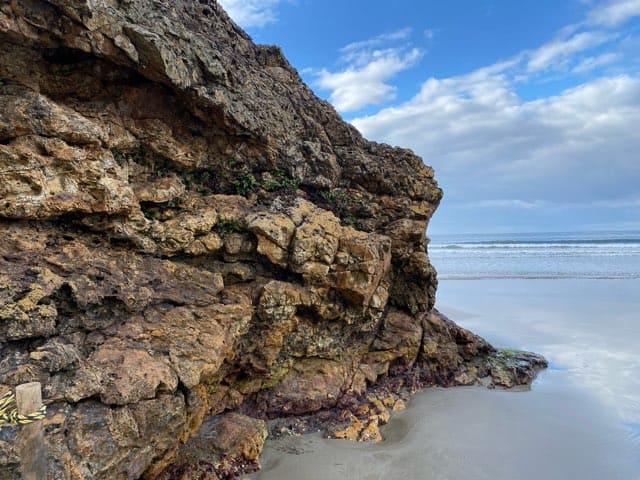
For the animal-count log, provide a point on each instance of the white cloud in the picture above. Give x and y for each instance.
(251, 13)
(509, 203)
(558, 52)
(366, 68)
(491, 148)
(614, 12)
(430, 33)
(485, 141)
(591, 63)
(629, 202)
(365, 81)
(497, 151)
(360, 52)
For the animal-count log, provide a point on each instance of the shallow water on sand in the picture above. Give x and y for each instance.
(581, 420)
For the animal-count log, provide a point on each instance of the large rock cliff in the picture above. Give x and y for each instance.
(187, 230)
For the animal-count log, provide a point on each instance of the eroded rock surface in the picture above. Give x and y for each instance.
(187, 231)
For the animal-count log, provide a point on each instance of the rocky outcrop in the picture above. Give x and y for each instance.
(187, 231)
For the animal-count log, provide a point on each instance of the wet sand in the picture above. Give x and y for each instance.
(581, 420)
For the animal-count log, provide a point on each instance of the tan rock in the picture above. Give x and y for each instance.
(273, 252)
(277, 228)
(160, 190)
(398, 406)
(212, 242)
(371, 433)
(316, 239)
(401, 334)
(312, 384)
(237, 434)
(350, 429)
(224, 443)
(233, 243)
(279, 300)
(363, 260)
(30, 316)
(197, 340)
(128, 376)
(55, 178)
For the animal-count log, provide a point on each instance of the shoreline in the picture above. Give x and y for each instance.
(562, 428)
(462, 432)
(444, 354)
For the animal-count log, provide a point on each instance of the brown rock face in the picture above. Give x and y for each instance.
(187, 230)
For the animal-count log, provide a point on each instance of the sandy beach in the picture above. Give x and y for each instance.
(580, 420)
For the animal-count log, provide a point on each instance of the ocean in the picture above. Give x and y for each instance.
(573, 297)
(598, 255)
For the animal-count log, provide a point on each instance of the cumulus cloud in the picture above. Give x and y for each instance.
(486, 142)
(365, 83)
(251, 13)
(566, 149)
(368, 66)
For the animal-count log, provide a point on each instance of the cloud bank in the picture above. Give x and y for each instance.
(572, 148)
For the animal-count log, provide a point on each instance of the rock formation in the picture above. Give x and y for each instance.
(186, 230)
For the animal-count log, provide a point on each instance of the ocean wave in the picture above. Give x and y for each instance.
(516, 253)
(541, 239)
(614, 256)
(537, 245)
(538, 276)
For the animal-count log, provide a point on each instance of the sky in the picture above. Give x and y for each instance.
(528, 110)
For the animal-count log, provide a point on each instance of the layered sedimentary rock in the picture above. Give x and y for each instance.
(187, 232)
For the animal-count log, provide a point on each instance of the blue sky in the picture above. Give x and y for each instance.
(529, 111)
